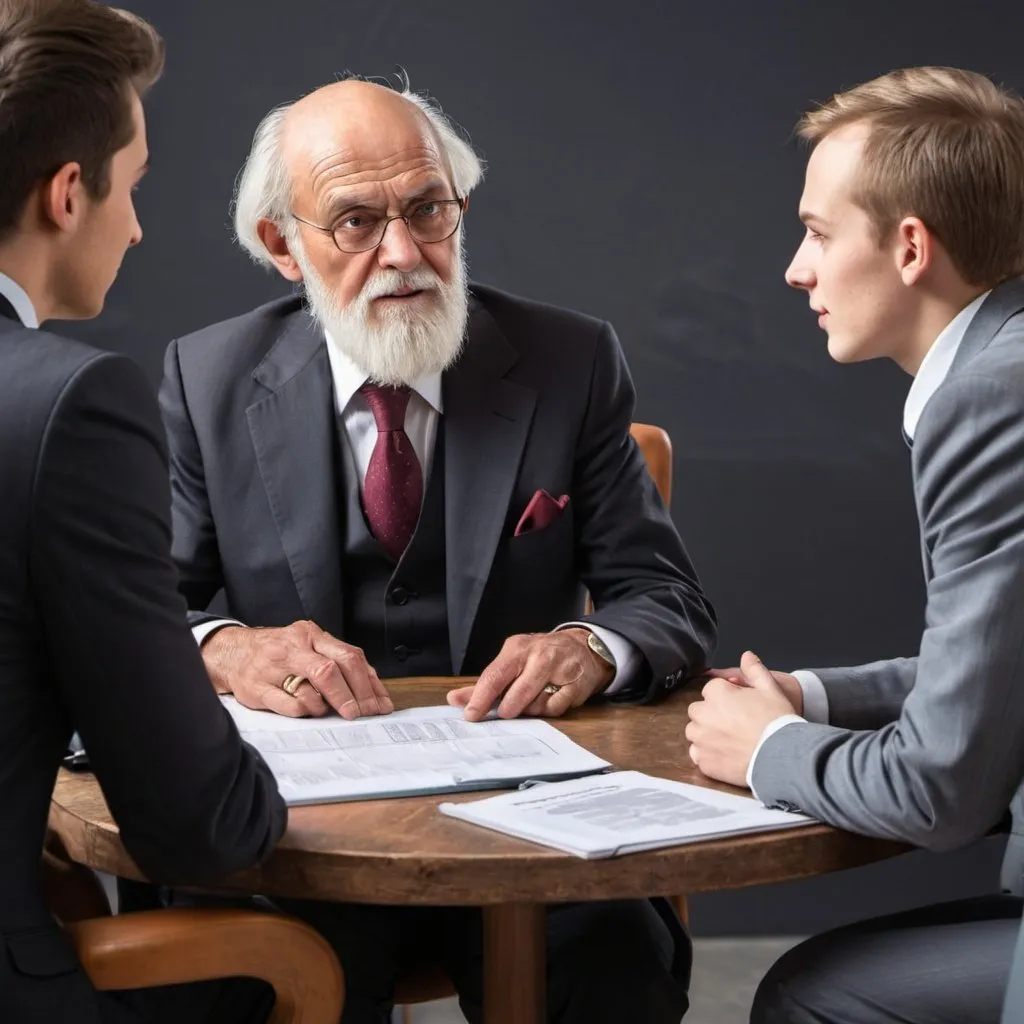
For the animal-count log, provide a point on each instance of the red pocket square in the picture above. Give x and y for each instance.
(542, 511)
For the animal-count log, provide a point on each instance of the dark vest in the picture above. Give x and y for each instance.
(398, 614)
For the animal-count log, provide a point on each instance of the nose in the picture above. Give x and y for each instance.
(398, 249)
(136, 235)
(800, 273)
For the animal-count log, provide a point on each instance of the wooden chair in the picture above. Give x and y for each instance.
(426, 982)
(166, 947)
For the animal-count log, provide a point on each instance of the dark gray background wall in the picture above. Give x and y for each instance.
(642, 170)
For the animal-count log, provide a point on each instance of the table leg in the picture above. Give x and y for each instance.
(515, 965)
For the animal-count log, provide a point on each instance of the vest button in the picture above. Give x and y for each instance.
(401, 652)
(400, 595)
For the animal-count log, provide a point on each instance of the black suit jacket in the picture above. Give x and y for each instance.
(93, 637)
(540, 398)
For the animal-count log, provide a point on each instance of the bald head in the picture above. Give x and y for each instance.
(354, 141)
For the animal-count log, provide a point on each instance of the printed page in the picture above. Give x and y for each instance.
(421, 750)
(620, 812)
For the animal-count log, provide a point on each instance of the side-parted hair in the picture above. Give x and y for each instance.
(947, 146)
(67, 72)
(264, 188)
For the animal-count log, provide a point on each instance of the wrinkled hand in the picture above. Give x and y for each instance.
(787, 683)
(527, 663)
(726, 725)
(253, 664)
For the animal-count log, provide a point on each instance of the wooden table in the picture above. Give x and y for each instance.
(404, 852)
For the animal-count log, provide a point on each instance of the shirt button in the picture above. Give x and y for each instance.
(401, 652)
(400, 595)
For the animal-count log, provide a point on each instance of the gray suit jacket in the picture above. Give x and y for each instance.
(930, 750)
(540, 398)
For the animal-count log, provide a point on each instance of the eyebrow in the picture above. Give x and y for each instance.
(359, 200)
(808, 217)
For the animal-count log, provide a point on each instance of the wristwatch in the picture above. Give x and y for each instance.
(600, 648)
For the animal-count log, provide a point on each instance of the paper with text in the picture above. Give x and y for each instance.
(420, 750)
(621, 812)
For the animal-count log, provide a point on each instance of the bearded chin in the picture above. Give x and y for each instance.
(397, 346)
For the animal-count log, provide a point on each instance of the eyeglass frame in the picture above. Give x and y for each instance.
(460, 200)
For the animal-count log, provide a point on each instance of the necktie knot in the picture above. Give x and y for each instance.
(388, 405)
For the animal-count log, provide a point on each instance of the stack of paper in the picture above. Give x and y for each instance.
(406, 753)
(621, 812)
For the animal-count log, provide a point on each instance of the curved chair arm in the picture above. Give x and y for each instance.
(165, 947)
(73, 892)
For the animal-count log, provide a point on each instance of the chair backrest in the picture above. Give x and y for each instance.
(657, 451)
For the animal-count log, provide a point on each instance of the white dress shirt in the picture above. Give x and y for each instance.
(421, 418)
(18, 298)
(932, 372)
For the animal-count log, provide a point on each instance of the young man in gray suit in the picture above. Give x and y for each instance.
(399, 473)
(914, 207)
(93, 635)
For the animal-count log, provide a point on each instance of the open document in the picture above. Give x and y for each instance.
(621, 812)
(406, 753)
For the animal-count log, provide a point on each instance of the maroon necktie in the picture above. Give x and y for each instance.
(393, 489)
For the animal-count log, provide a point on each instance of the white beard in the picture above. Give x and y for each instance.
(402, 345)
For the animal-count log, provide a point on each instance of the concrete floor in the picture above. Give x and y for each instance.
(725, 975)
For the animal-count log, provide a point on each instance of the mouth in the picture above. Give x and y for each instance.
(403, 294)
(822, 315)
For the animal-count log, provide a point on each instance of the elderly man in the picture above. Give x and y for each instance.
(399, 474)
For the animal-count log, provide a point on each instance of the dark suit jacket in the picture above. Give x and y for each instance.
(540, 398)
(93, 637)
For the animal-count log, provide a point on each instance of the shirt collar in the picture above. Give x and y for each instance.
(936, 364)
(18, 298)
(348, 379)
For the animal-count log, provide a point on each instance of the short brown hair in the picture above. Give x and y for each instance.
(945, 145)
(67, 71)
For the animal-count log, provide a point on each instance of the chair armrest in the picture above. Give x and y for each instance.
(73, 892)
(166, 947)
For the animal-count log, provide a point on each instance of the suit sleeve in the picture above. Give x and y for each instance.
(868, 696)
(192, 801)
(943, 771)
(194, 532)
(632, 560)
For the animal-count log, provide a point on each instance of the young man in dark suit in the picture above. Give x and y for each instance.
(93, 634)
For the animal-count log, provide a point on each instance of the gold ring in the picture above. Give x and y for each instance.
(292, 683)
(551, 688)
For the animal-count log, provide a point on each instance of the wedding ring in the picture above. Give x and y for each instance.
(292, 683)
(551, 688)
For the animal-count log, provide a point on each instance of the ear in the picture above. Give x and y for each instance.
(64, 197)
(915, 249)
(277, 246)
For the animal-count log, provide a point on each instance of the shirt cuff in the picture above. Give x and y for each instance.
(769, 730)
(205, 630)
(626, 654)
(815, 696)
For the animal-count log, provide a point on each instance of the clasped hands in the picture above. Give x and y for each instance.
(736, 705)
(536, 674)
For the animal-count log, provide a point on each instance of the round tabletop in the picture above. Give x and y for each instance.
(404, 851)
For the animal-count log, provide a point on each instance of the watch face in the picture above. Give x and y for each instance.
(600, 648)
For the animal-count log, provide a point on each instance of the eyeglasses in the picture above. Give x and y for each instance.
(432, 220)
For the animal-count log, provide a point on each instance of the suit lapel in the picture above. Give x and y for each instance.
(8, 311)
(293, 435)
(486, 422)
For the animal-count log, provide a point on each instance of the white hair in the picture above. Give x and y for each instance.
(264, 188)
